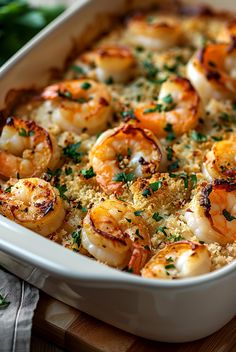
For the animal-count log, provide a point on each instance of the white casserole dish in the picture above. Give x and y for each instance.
(176, 311)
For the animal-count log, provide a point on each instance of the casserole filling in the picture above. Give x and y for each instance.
(130, 157)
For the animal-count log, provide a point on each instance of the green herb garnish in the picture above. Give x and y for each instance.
(88, 173)
(198, 137)
(3, 302)
(157, 217)
(76, 235)
(124, 177)
(228, 216)
(138, 212)
(72, 151)
(85, 85)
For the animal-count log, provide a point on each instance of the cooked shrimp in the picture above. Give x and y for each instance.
(26, 149)
(33, 203)
(116, 62)
(212, 213)
(124, 153)
(212, 72)
(79, 105)
(220, 161)
(154, 31)
(178, 260)
(228, 33)
(178, 108)
(114, 235)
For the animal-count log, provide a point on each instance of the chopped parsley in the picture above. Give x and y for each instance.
(150, 69)
(88, 173)
(173, 166)
(3, 302)
(185, 177)
(216, 138)
(168, 99)
(62, 189)
(170, 266)
(174, 238)
(76, 236)
(128, 115)
(170, 153)
(77, 69)
(86, 85)
(68, 171)
(157, 217)
(129, 220)
(162, 229)
(72, 151)
(228, 216)
(146, 192)
(198, 137)
(8, 189)
(137, 233)
(169, 260)
(124, 177)
(23, 133)
(170, 133)
(138, 212)
(155, 185)
(109, 80)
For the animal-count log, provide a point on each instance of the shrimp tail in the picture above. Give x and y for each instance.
(138, 259)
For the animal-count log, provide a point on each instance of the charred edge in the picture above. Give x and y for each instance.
(227, 185)
(103, 101)
(232, 45)
(119, 50)
(129, 129)
(46, 207)
(105, 234)
(10, 121)
(204, 199)
(213, 75)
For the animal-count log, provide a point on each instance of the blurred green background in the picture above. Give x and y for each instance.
(20, 21)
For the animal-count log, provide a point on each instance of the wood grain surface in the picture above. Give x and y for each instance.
(72, 330)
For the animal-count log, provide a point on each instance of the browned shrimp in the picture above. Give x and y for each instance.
(178, 260)
(33, 203)
(212, 71)
(123, 154)
(79, 105)
(113, 61)
(154, 31)
(115, 236)
(178, 107)
(26, 149)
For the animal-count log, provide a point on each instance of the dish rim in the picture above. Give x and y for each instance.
(109, 274)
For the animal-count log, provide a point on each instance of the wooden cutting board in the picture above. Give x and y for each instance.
(73, 330)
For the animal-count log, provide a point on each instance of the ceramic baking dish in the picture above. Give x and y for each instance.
(173, 311)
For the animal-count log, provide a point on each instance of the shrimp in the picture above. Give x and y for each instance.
(212, 72)
(220, 161)
(112, 62)
(123, 154)
(114, 235)
(79, 105)
(154, 31)
(178, 260)
(177, 110)
(26, 149)
(212, 213)
(33, 203)
(228, 33)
